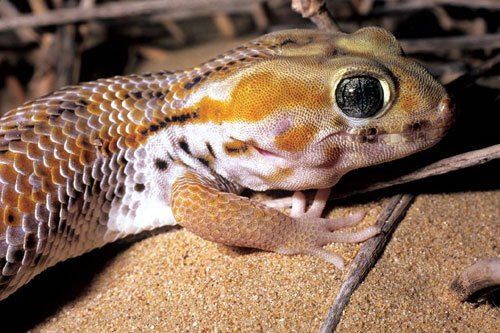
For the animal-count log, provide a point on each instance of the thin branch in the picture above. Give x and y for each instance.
(457, 162)
(115, 10)
(316, 11)
(366, 258)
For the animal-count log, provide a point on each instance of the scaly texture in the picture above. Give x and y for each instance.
(291, 110)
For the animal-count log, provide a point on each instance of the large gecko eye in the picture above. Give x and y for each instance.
(359, 96)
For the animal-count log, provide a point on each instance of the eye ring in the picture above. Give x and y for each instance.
(361, 96)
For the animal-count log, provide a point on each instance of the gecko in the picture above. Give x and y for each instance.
(292, 110)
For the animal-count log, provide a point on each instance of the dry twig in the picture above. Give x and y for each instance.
(367, 256)
(316, 11)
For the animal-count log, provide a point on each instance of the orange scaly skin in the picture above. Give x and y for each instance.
(95, 162)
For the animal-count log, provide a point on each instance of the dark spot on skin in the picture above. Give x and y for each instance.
(218, 68)
(139, 187)
(210, 149)
(83, 102)
(137, 94)
(160, 165)
(368, 135)
(182, 118)
(184, 146)
(204, 161)
(154, 128)
(193, 82)
(120, 190)
(207, 73)
(29, 241)
(236, 150)
(241, 48)
(18, 255)
(144, 131)
(126, 96)
(147, 74)
(255, 56)
(159, 95)
(242, 59)
(418, 126)
(10, 218)
(287, 41)
(231, 63)
(166, 72)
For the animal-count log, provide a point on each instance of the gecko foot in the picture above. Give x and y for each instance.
(322, 231)
(315, 210)
(319, 232)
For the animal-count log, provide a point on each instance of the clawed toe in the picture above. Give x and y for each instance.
(354, 237)
(317, 206)
(328, 256)
(346, 222)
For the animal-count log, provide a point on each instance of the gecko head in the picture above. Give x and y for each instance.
(306, 116)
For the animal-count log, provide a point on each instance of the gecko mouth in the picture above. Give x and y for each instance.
(252, 144)
(414, 134)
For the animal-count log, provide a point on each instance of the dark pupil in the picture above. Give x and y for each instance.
(359, 96)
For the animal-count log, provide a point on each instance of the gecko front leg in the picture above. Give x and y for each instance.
(199, 206)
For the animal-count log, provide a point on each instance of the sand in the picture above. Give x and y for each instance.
(179, 282)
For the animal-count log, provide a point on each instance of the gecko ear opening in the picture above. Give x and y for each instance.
(359, 96)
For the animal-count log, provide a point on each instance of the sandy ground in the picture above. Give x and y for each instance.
(179, 282)
(176, 281)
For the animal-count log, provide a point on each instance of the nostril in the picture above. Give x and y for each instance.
(418, 126)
